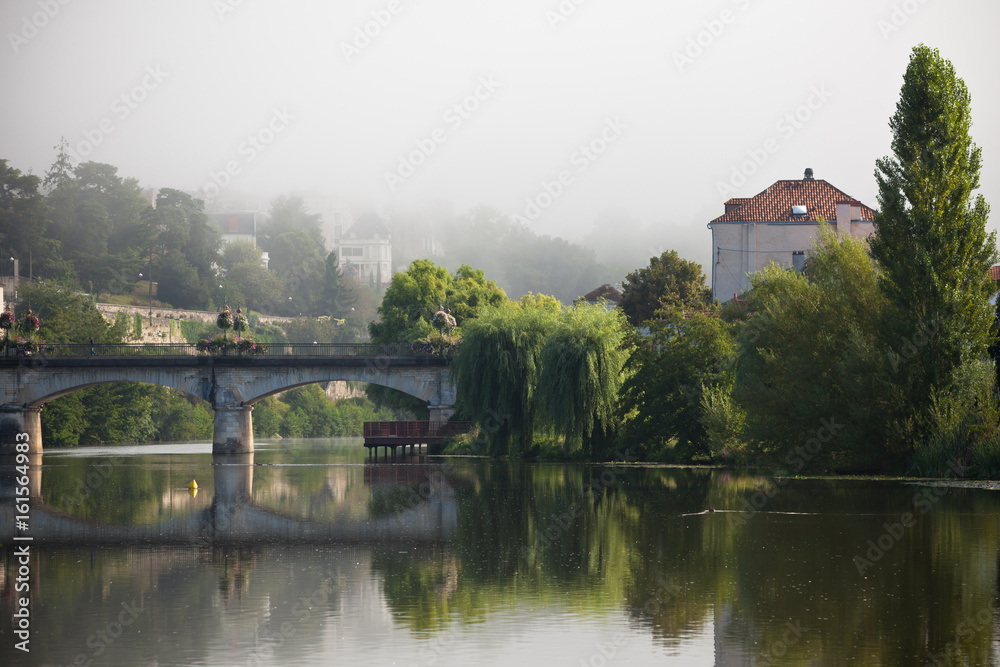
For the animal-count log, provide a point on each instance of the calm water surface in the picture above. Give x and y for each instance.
(305, 554)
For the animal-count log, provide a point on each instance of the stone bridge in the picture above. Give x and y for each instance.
(231, 384)
(232, 516)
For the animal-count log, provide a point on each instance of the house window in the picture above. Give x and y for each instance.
(799, 260)
(353, 252)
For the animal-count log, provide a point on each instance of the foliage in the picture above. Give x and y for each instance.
(240, 323)
(437, 345)
(930, 236)
(963, 423)
(306, 412)
(243, 279)
(289, 213)
(669, 372)
(443, 321)
(23, 217)
(811, 367)
(65, 317)
(582, 363)
(187, 245)
(410, 301)
(725, 424)
(125, 412)
(119, 412)
(224, 320)
(498, 368)
(415, 295)
(223, 345)
(668, 282)
(29, 323)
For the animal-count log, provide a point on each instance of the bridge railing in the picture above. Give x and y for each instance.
(119, 350)
(415, 429)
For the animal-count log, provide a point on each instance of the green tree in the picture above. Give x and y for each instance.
(66, 317)
(245, 281)
(23, 217)
(339, 294)
(668, 373)
(413, 296)
(186, 245)
(811, 366)
(298, 260)
(289, 213)
(497, 372)
(930, 235)
(668, 282)
(410, 301)
(582, 364)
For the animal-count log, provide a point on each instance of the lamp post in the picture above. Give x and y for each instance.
(150, 284)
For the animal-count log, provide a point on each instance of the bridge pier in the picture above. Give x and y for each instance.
(233, 429)
(15, 419)
(233, 476)
(441, 413)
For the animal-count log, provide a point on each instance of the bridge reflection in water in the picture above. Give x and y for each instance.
(428, 514)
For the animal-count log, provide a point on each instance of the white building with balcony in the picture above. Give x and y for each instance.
(365, 251)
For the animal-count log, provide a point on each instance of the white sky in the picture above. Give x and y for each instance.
(228, 65)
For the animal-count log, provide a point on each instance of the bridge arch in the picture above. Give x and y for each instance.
(231, 386)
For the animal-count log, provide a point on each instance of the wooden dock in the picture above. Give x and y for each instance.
(409, 434)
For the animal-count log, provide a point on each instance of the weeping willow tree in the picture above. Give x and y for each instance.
(498, 366)
(581, 373)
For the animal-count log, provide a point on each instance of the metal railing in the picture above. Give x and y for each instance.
(415, 429)
(120, 350)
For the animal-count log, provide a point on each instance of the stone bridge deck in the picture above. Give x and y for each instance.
(232, 383)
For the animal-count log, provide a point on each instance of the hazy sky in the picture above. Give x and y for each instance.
(475, 102)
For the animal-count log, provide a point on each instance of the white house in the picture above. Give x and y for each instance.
(238, 226)
(778, 225)
(365, 251)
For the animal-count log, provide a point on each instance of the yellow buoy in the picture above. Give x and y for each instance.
(193, 485)
(193, 492)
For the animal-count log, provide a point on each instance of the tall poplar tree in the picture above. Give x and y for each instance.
(930, 234)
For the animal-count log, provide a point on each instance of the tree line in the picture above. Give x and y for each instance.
(85, 227)
(875, 358)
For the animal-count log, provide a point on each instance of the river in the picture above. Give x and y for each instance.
(306, 554)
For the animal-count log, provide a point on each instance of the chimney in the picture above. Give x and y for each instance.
(808, 175)
(844, 218)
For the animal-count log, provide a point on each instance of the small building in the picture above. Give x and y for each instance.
(607, 294)
(778, 226)
(365, 251)
(238, 226)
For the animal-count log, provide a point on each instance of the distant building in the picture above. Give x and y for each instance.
(365, 251)
(778, 225)
(238, 226)
(606, 294)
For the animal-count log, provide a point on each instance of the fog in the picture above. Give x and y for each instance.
(563, 112)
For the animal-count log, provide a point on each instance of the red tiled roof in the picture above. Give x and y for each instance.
(775, 203)
(995, 272)
(605, 291)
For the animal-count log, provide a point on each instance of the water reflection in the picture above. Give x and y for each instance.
(313, 557)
